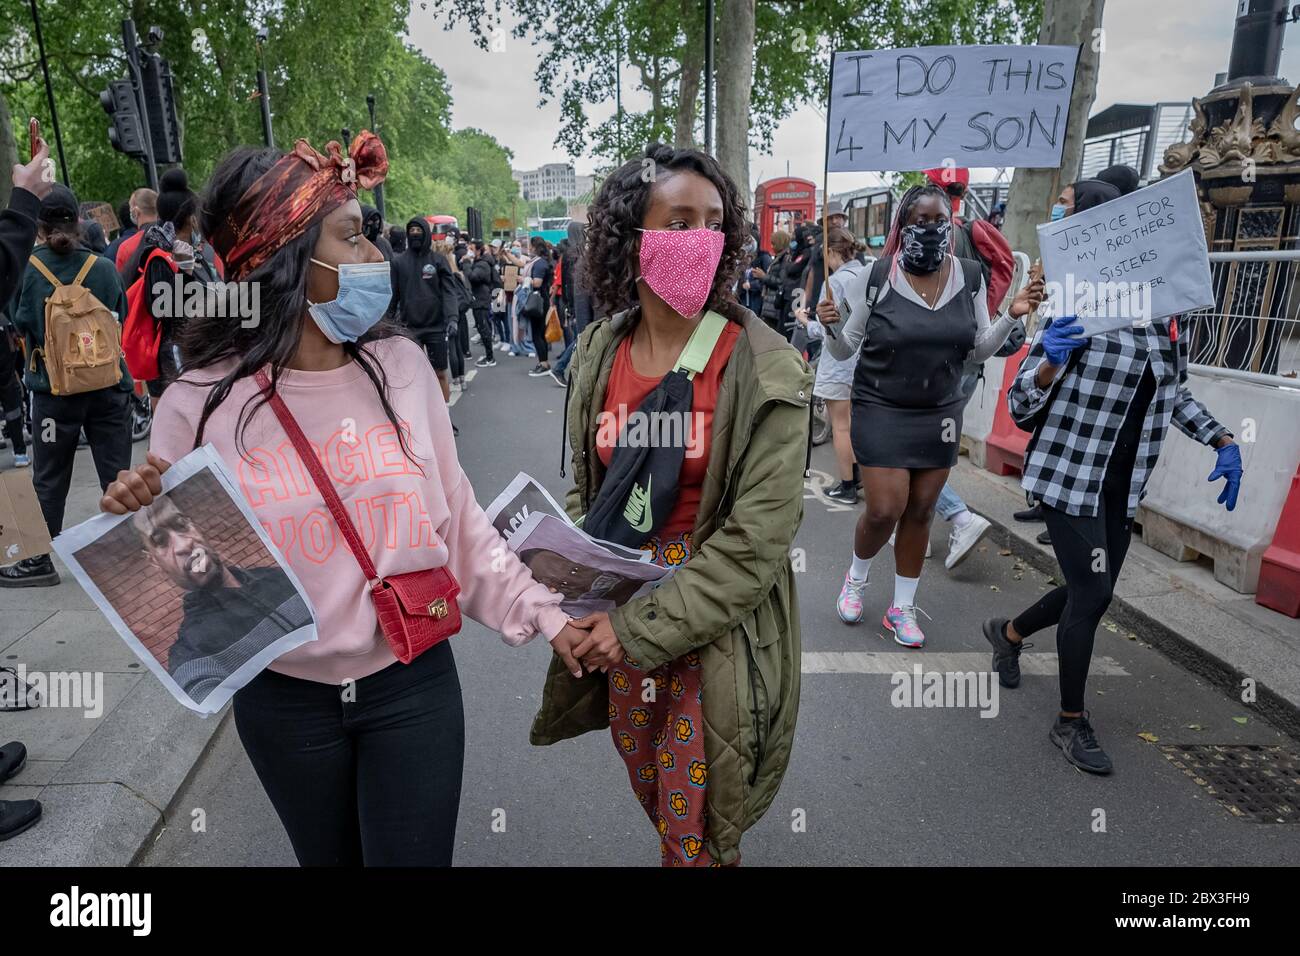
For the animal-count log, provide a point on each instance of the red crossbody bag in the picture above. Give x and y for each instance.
(416, 610)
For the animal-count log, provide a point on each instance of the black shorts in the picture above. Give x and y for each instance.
(168, 371)
(436, 349)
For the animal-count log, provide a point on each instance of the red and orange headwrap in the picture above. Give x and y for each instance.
(300, 190)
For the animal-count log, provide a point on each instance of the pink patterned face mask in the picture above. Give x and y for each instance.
(679, 265)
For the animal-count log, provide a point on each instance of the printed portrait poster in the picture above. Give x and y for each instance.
(192, 584)
(524, 497)
(571, 563)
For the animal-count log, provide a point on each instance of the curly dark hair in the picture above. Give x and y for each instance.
(610, 256)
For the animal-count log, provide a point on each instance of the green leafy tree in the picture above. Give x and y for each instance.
(661, 43)
(318, 84)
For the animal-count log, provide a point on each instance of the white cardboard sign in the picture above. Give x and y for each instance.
(949, 106)
(1131, 260)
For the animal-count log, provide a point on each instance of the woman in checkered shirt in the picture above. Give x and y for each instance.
(1102, 406)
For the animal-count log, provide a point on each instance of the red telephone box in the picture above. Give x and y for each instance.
(783, 204)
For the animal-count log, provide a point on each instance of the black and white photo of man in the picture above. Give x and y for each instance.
(231, 613)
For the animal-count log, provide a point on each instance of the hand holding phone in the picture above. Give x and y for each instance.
(37, 176)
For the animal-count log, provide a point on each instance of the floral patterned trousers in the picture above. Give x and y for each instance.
(655, 718)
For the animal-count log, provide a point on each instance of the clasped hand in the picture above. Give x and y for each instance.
(588, 642)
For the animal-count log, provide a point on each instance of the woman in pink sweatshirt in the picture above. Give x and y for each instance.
(360, 755)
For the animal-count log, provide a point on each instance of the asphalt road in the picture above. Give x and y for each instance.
(869, 783)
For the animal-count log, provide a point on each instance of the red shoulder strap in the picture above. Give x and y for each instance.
(322, 480)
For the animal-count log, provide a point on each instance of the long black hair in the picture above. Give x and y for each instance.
(611, 261)
(282, 289)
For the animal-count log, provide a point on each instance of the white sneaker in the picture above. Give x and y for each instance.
(963, 539)
(929, 548)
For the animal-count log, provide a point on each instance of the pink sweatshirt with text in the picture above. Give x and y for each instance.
(408, 520)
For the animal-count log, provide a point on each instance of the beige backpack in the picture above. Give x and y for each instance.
(83, 339)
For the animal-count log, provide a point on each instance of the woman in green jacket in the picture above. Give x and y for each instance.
(699, 679)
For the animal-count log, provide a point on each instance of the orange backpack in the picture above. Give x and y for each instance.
(83, 339)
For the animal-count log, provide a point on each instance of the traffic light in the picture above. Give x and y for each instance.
(126, 133)
(156, 79)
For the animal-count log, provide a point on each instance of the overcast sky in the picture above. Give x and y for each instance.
(1155, 50)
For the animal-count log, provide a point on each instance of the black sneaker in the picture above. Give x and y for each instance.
(17, 816)
(1006, 652)
(1078, 741)
(487, 361)
(1034, 513)
(559, 379)
(37, 572)
(13, 757)
(538, 371)
(845, 491)
(1044, 537)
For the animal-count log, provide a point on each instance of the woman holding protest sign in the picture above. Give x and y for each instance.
(357, 737)
(1099, 408)
(702, 682)
(926, 313)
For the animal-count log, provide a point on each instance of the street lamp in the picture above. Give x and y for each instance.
(264, 90)
(379, 188)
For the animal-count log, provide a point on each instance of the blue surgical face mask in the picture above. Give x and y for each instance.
(365, 289)
(1058, 212)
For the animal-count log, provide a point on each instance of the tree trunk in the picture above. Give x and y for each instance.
(688, 87)
(1033, 191)
(8, 153)
(734, 67)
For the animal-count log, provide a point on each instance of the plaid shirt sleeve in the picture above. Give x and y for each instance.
(1191, 417)
(1025, 398)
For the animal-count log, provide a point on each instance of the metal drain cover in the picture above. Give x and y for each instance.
(1253, 782)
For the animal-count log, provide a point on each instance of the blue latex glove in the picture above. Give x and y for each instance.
(1059, 339)
(1229, 467)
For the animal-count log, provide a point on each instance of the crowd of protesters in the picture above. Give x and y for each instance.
(364, 319)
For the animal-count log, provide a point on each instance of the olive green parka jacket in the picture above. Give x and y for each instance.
(733, 602)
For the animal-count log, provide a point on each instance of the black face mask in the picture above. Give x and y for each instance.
(414, 241)
(925, 245)
(371, 229)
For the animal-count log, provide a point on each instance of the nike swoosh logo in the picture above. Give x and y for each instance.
(639, 501)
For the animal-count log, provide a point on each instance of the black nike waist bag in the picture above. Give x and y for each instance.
(640, 486)
(641, 483)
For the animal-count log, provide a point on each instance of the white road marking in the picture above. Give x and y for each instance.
(891, 662)
(814, 487)
(456, 393)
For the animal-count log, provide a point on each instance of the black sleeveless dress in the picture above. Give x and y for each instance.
(907, 398)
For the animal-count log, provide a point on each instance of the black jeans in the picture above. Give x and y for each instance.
(366, 773)
(539, 337)
(483, 323)
(57, 423)
(11, 393)
(1090, 552)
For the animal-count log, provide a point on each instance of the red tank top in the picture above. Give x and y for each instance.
(627, 390)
